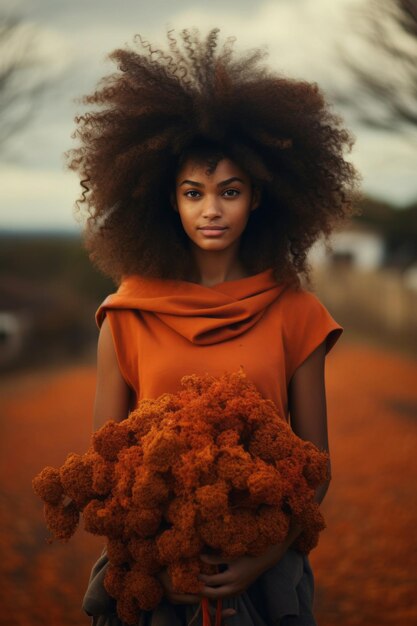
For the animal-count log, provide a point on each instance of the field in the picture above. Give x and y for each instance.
(365, 562)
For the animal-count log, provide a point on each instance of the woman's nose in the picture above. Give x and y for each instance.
(211, 207)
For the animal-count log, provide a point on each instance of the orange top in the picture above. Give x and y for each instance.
(164, 329)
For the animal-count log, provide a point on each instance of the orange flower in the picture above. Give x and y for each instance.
(62, 520)
(77, 479)
(213, 467)
(47, 485)
(145, 552)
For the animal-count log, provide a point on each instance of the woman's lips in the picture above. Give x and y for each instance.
(212, 232)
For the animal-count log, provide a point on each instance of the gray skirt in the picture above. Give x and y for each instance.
(281, 596)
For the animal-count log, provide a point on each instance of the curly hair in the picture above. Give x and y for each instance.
(196, 99)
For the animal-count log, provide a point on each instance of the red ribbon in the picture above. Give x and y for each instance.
(206, 612)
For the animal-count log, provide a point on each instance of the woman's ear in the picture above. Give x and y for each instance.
(173, 201)
(256, 197)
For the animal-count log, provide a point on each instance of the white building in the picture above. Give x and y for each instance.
(361, 247)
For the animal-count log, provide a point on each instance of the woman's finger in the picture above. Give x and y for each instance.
(226, 591)
(222, 578)
(225, 613)
(228, 612)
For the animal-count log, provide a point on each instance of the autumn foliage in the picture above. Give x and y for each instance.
(213, 467)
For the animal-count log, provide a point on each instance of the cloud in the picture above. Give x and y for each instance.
(41, 198)
(388, 165)
(298, 34)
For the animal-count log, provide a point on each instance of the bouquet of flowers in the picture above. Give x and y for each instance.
(211, 468)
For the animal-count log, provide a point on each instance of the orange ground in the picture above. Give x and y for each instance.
(366, 560)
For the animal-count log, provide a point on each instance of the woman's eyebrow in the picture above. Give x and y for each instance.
(223, 183)
(191, 182)
(230, 180)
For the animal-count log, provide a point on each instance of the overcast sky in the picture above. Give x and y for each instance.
(75, 37)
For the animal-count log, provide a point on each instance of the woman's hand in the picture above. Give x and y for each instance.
(240, 572)
(184, 598)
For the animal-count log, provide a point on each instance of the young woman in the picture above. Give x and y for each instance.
(207, 179)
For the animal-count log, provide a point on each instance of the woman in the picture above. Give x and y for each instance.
(219, 175)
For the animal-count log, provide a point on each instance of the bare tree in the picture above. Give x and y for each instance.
(385, 71)
(22, 79)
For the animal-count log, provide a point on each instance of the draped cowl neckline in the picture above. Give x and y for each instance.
(203, 315)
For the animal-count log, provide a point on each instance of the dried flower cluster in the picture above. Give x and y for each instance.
(211, 468)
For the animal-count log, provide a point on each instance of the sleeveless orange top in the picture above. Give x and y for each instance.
(164, 329)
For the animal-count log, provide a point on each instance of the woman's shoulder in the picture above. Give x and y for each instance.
(297, 301)
(306, 323)
(302, 306)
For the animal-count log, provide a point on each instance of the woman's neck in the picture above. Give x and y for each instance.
(212, 269)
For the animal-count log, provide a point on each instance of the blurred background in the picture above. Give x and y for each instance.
(363, 54)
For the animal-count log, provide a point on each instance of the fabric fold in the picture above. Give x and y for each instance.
(203, 315)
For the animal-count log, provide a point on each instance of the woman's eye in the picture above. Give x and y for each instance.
(190, 192)
(231, 193)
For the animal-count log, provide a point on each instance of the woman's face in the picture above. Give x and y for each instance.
(214, 208)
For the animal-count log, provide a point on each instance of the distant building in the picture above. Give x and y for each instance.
(25, 306)
(13, 326)
(359, 246)
(21, 304)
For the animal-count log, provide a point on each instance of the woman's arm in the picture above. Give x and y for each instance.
(112, 392)
(307, 405)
